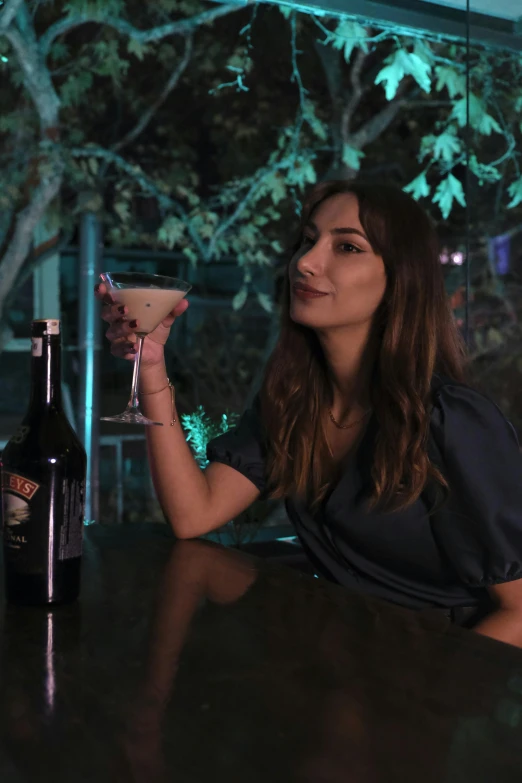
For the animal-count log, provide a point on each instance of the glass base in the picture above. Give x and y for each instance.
(132, 416)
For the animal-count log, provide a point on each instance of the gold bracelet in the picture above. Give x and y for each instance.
(170, 386)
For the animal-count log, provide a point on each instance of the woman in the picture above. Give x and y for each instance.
(401, 481)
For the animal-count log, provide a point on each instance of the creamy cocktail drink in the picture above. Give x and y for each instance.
(148, 299)
(148, 305)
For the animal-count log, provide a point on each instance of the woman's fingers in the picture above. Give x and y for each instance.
(180, 307)
(125, 347)
(178, 310)
(101, 292)
(122, 328)
(113, 312)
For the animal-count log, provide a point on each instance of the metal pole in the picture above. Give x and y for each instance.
(89, 330)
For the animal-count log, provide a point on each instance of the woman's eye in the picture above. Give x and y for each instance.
(307, 241)
(347, 247)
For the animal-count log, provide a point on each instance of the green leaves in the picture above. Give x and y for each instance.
(192, 256)
(276, 186)
(319, 128)
(352, 157)
(171, 232)
(515, 191)
(348, 36)
(400, 64)
(240, 298)
(95, 7)
(137, 48)
(234, 190)
(285, 10)
(205, 221)
(302, 173)
(448, 190)
(479, 119)
(122, 209)
(418, 187)
(483, 171)
(451, 79)
(200, 429)
(441, 148)
(72, 91)
(108, 61)
(446, 146)
(265, 301)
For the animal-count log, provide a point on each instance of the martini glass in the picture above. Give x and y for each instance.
(149, 299)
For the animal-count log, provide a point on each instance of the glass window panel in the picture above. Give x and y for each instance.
(495, 215)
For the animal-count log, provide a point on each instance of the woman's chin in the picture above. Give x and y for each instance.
(303, 319)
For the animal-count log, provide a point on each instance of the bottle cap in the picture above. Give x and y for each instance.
(45, 326)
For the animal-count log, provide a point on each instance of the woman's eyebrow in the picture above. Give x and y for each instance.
(346, 230)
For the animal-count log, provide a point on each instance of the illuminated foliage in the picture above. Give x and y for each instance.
(99, 98)
(200, 429)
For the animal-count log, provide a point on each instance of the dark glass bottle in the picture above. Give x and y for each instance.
(43, 487)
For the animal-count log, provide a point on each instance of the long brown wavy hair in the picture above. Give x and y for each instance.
(416, 336)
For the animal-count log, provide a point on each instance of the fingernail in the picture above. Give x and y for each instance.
(133, 324)
(97, 288)
(121, 309)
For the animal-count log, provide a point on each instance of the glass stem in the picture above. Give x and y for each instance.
(133, 401)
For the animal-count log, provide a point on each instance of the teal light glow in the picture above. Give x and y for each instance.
(201, 429)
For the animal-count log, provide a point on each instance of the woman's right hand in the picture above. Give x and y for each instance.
(122, 332)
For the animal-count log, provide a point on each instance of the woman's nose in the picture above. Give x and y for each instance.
(309, 259)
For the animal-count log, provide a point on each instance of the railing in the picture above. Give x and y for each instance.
(117, 441)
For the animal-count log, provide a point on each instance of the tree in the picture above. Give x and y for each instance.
(90, 124)
(36, 168)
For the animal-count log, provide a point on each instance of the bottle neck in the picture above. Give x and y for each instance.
(46, 387)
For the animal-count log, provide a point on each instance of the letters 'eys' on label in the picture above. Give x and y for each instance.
(17, 492)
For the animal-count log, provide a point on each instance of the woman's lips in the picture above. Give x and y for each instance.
(301, 294)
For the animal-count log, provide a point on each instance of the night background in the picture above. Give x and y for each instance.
(190, 131)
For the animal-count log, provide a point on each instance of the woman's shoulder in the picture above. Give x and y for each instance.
(456, 403)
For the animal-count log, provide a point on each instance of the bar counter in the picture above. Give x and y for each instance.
(188, 662)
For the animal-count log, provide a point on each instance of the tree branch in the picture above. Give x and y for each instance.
(147, 115)
(330, 59)
(372, 129)
(37, 79)
(25, 224)
(357, 92)
(147, 185)
(228, 222)
(9, 12)
(180, 27)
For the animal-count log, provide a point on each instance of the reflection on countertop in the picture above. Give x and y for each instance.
(190, 662)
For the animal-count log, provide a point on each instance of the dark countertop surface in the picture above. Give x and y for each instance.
(188, 662)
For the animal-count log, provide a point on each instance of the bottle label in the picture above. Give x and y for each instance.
(27, 516)
(18, 491)
(36, 346)
(72, 527)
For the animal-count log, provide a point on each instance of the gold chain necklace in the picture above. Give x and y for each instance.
(347, 426)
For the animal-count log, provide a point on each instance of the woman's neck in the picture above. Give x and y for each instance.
(350, 360)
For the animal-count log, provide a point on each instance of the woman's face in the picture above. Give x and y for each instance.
(336, 258)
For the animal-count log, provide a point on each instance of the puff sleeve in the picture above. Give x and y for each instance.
(479, 528)
(243, 447)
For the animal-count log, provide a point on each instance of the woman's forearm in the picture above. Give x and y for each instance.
(504, 625)
(181, 486)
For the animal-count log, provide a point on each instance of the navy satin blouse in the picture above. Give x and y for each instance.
(418, 560)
